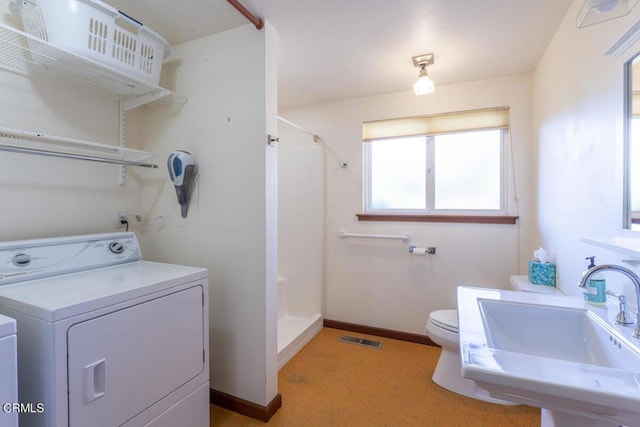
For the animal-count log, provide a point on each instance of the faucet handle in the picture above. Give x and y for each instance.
(622, 300)
(621, 317)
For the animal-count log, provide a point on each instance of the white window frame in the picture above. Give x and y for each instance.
(430, 184)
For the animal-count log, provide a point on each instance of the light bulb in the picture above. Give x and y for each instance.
(604, 6)
(424, 85)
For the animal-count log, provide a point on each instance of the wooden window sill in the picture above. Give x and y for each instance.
(467, 219)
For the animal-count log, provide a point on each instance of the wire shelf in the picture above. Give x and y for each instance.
(20, 141)
(27, 54)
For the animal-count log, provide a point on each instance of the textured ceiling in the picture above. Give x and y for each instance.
(336, 49)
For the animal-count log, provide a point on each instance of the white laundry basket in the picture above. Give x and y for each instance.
(98, 31)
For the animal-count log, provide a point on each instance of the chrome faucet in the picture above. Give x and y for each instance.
(630, 274)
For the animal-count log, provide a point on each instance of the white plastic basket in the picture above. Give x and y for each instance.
(98, 31)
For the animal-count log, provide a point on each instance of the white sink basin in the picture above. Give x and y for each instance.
(571, 334)
(554, 352)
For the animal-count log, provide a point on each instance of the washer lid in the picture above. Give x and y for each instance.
(446, 319)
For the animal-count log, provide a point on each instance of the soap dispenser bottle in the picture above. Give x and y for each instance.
(596, 288)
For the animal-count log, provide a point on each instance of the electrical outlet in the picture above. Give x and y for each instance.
(122, 216)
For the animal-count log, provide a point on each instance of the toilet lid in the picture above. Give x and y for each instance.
(446, 319)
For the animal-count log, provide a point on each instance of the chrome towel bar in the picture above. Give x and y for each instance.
(404, 236)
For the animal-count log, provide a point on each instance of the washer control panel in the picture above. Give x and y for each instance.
(33, 259)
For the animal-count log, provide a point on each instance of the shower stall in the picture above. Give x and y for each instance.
(300, 239)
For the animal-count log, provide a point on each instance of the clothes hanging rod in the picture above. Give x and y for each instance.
(404, 236)
(259, 23)
(50, 153)
(316, 137)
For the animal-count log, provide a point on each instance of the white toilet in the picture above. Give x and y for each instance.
(442, 328)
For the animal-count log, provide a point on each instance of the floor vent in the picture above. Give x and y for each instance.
(361, 341)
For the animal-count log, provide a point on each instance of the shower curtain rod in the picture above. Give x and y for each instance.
(259, 23)
(316, 137)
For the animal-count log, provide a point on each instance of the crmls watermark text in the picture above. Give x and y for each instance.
(23, 408)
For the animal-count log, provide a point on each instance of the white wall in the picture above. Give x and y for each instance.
(377, 283)
(578, 120)
(47, 197)
(230, 82)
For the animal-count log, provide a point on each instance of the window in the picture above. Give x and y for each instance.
(397, 174)
(455, 166)
(633, 178)
(634, 174)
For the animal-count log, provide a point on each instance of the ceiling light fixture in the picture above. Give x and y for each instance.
(424, 84)
(596, 11)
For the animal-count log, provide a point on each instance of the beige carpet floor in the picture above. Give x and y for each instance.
(330, 383)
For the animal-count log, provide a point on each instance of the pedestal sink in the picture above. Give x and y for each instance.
(553, 352)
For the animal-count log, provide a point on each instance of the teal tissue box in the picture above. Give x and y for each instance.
(542, 273)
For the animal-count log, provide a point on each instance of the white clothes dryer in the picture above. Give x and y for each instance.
(104, 338)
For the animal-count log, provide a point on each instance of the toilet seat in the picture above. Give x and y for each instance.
(445, 319)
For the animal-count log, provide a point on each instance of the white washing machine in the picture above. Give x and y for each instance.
(8, 373)
(104, 338)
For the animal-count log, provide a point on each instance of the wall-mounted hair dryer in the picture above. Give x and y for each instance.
(182, 169)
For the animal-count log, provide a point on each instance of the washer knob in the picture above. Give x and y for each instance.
(116, 247)
(21, 260)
